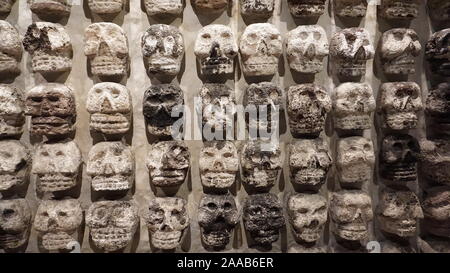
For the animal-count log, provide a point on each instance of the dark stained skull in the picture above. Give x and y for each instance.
(438, 107)
(12, 111)
(435, 160)
(350, 8)
(306, 8)
(439, 10)
(6, 5)
(437, 52)
(15, 220)
(15, 160)
(436, 209)
(400, 9)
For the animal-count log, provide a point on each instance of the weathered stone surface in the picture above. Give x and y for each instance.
(350, 8)
(433, 245)
(218, 106)
(164, 7)
(437, 52)
(257, 8)
(15, 221)
(106, 6)
(12, 111)
(306, 8)
(305, 249)
(438, 106)
(210, 6)
(51, 8)
(10, 49)
(439, 10)
(435, 160)
(436, 209)
(6, 5)
(15, 160)
(399, 9)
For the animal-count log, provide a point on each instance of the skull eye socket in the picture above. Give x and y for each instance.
(115, 93)
(367, 147)
(317, 35)
(8, 213)
(44, 153)
(274, 37)
(211, 206)
(175, 213)
(303, 210)
(228, 155)
(45, 214)
(62, 213)
(255, 211)
(206, 36)
(100, 213)
(225, 35)
(59, 153)
(274, 210)
(304, 35)
(53, 98)
(227, 206)
(6, 155)
(397, 147)
(98, 91)
(36, 99)
(412, 145)
(398, 36)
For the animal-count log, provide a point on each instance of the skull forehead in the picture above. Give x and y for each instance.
(10, 35)
(217, 199)
(399, 138)
(266, 90)
(310, 146)
(354, 33)
(261, 29)
(435, 148)
(168, 203)
(390, 89)
(119, 96)
(215, 90)
(52, 88)
(17, 149)
(351, 143)
(438, 39)
(164, 89)
(265, 200)
(295, 33)
(160, 30)
(436, 197)
(301, 200)
(19, 206)
(114, 149)
(390, 199)
(219, 146)
(307, 90)
(70, 206)
(215, 30)
(261, 148)
(356, 198)
(350, 89)
(105, 30)
(128, 208)
(46, 36)
(70, 150)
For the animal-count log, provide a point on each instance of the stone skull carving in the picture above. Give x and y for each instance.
(15, 220)
(164, 7)
(57, 223)
(163, 48)
(400, 105)
(167, 220)
(263, 218)
(351, 48)
(435, 160)
(110, 107)
(306, 47)
(112, 224)
(218, 106)
(351, 213)
(399, 49)
(306, 8)
(10, 49)
(353, 106)
(52, 109)
(437, 52)
(12, 111)
(217, 217)
(57, 166)
(51, 8)
(308, 106)
(111, 166)
(219, 164)
(308, 214)
(350, 8)
(439, 10)
(438, 106)
(106, 47)
(216, 49)
(355, 161)
(436, 208)
(6, 6)
(400, 9)
(107, 6)
(210, 6)
(49, 46)
(309, 163)
(15, 160)
(257, 8)
(261, 47)
(168, 163)
(398, 212)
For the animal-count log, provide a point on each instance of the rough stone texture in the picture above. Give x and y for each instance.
(15, 221)
(12, 111)
(57, 223)
(261, 47)
(168, 163)
(433, 245)
(305, 249)
(257, 8)
(112, 224)
(167, 220)
(437, 52)
(106, 6)
(399, 9)
(164, 7)
(217, 217)
(110, 107)
(216, 48)
(350, 8)
(307, 109)
(218, 106)
(436, 209)
(438, 107)
(435, 160)
(263, 218)
(306, 8)
(439, 10)
(210, 6)
(111, 167)
(10, 49)
(393, 247)
(51, 8)
(353, 106)
(6, 5)
(57, 166)
(15, 160)
(50, 47)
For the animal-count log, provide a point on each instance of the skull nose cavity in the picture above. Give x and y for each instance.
(106, 105)
(313, 224)
(218, 165)
(166, 227)
(108, 169)
(311, 51)
(361, 54)
(215, 50)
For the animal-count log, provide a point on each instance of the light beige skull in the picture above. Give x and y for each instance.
(439, 10)
(435, 160)
(10, 48)
(15, 160)
(107, 6)
(12, 112)
(164, 7)
(218, 106)
(15, 220)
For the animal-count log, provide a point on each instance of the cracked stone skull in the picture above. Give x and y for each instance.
(210, 6)
(15, 220)
(50, 48)
(52, 109)
(261, 47)
(309, 163)
(6, 6)
(439, 10)
(15, 160)
(51, 8)
(217, 217)
(168, 163)
(106, 47)
(167, 220)
(400, 9)
(351, 48)
(306, 8)
(436, 208)
(216, 48)
(257, 8)
(12, 111)
(435, 160)
(308, 106)
(112, 224)
(437, 52)
(306, 47)
(57, 223)
(350, 8)
(308, 214)
(351, 212)
(110, 107)
(218, 106)
(400, 104)
(164, 7)
(438, 106)
(355, 161)
(399, 49)
(398, 212)
(163, 49)
(10, 48)
(111, 166)
(263, 218)
(106, 6)
(57, 166)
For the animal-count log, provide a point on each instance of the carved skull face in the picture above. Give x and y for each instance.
(159, 102)
(309, 162)
(106, 6)
(167, 220)
(219, 164)
(52, 109)
(306, 8)
(353, 106)
(15, 221)
(261, 47)
(106, 46)
(112, 224)
(436, 208)
(263, 218)
(308, 105)
(217, 217)
(218, 104)
(307, 215)
(439, 10)
(111, 166)
(350, 8)
(6, 5)
(14, 162)
(400, 104)
(110, 107)
(351, 212)
(216, 49)
(438, 106)
(57, 166)
(306, 46)
(400, 9)
(12, 111)
(355, 161)
(164, 7)
(399, 156)
(210, 6)
(438, 52)
(10, 48)
(168, 163)
(257, 8)
(435, 160)
(398, 212)
(399, 49)
(57, 223)
(50, 47)
(351, 48)
(49, 8)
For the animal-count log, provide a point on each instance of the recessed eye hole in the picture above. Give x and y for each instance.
(98, 91)
(367, 147)
(398, 36)
(255, 211)
(62, 213)
(350, 37)
(175, 212)
(53, 98)
(45, 214)
(274, 37)
(206, 36)
(228, 155)
(44, 153)
(36, 99)
(317, 35)
(225, 35)
(100, 213)
(412, 145)
(227, 206)
(304, 35)
(7, 213)
(6, 155)
(211, 206)
(253, 36)
(59, 153)
(115, 93)
(209, 154)
(274, 210)
(397, 146)
(303, 210)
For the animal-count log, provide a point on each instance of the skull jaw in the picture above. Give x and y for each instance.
(10, 181)
(217, 66)
(8, 64)
(354, 121)
(218, 180)
(163, 9)
(402, 228)
(257, 10)
(54, 241)
(352, 11)
(400, 10)
(165, 131)
(307, 66)
(354, 175)
(13, 240)
(402, 172)
(56, 182)
(353, 68)
(5, 6)
(105, 7)
(168, 178)
(438, 228)
(118, 182)
(112, 239)
(214, 6)
(402, 120)
(441, 67)
(49, 63)
(351, 231)
(51, 126)
(260, 66)
(109, 66)
(166, 240)
(403, 65)
(309, 178)
(166, 66)
(50, 8)
(265, 237)
(309, 126)
(7, 130)
(217, 239)
(110, 124)
(300, 10)
(260, 179)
